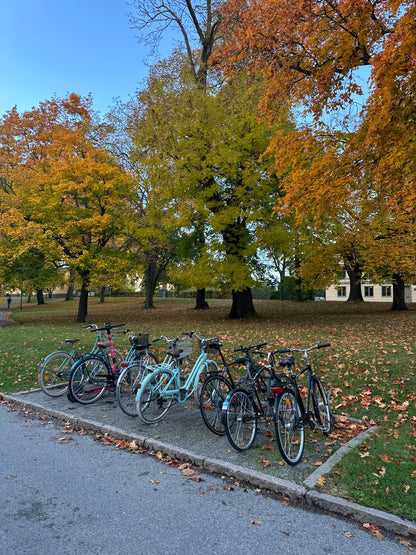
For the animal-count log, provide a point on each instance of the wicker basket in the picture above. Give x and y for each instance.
(140, 341)
(185, 344)
(204, 345)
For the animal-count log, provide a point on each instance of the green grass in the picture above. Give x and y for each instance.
(370, 369)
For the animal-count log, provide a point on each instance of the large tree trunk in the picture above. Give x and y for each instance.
(398, 293)
(39, 295)
(83, 304)
(102, 294)
(242, 306)
(201, 302)
(70, 292)
(150, 277)
(354, 272)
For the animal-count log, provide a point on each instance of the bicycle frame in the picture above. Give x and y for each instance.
(181, 394)
(307, 415)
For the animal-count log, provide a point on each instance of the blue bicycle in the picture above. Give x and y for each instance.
(167, 384)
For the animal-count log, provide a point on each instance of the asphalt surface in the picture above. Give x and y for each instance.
(183, 436)
(65, 493)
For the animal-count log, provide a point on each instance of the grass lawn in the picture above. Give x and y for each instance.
(370, 369)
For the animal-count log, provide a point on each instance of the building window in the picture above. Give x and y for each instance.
(368, 291)
(386, 290)
(341, 291)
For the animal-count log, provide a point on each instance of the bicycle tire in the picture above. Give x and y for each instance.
(54, 372)
(89, 379)
(239, 419)
(151, 404)
(213, 392)
(290, 433)
(211, 367)
(321, 406)
(129, 380)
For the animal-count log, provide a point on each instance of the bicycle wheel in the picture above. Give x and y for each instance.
(321, 406)
(239, 419)
(211, 367)
(89, 379)
(213, 392)
(290, 433)
(129, 380)
(151, 403)
(53, 373)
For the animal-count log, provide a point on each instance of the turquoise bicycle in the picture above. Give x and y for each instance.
(54, 370)
(163, 386)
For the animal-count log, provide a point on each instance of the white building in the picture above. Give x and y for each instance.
(370, 291)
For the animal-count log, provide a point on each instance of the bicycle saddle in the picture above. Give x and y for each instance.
(71, 341)
(104, 344)
(289, 361)
(175, 352)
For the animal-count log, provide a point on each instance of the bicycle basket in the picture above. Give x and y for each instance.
(205, 343)
(102, 336)
(141, 340)
(185, 345)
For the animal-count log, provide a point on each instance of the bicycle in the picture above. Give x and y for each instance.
(54, 370)
(133, 374)
(93, 374)
(216, 386)
(250, 401)
(161, 387)
(290, 412)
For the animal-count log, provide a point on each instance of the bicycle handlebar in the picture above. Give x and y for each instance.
(108, 326)
(247, 349)
(317, 346)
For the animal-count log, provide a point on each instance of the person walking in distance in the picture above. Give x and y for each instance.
(9, 301)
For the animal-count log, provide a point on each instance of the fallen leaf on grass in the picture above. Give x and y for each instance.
(265, 463)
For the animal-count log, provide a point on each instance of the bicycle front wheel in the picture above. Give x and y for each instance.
(53, 373)
(321, 406)
(89, 379)
(213, 392)
(128, 383)
(211, 367)
(290, 433)
(151, 403)
(239, 419)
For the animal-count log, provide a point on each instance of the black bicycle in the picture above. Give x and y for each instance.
(215, 387)
(252, 399)
(291, 413)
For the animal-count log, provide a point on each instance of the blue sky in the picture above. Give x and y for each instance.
(52, 47)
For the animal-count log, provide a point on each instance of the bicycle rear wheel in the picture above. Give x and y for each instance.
(151, 403)
(321, 406)
(239, 419)
(129, 380)
(213, 392)
(290, 433)
(53, 373)
(89, 379)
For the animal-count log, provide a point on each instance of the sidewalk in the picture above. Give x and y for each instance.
(183, 436)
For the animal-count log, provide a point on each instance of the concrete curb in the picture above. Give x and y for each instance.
(329, 464)
(328, 503)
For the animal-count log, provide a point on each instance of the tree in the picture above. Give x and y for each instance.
(308, 53)
(68, 190)
(197, 24)
(201, 154)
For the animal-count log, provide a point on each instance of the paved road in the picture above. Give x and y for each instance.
(64, 493)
